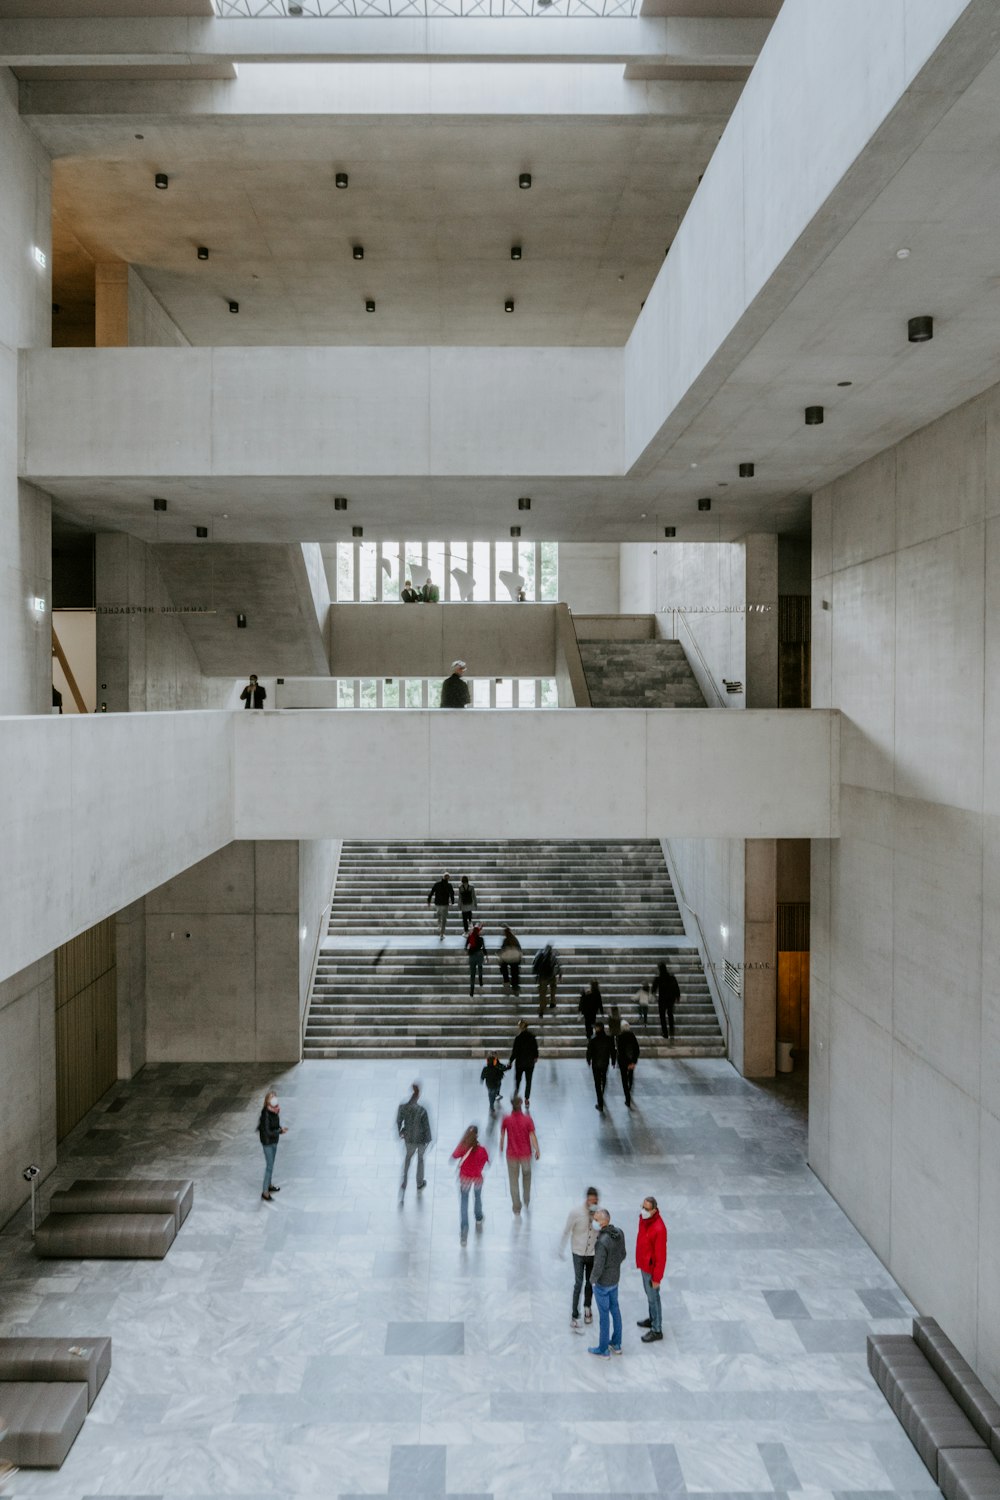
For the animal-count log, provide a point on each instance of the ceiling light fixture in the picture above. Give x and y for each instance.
(515, 531)
(509, 305)
(746, 471)
(669, 531)
(159, 504)
(201, 531)
(234, 307)
(524, 180)
(515, 252)
(357, 531)
(843, 383)
(203, 252)
(369, 304)
(340, 179)
(340, 502)
(814, 416)
(162, 181)
(920, 330)
(903, 254)
(241, 621)
(705, 503)
(358, 251)
(524, 502)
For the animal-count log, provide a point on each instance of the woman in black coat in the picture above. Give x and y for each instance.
(270, 1130)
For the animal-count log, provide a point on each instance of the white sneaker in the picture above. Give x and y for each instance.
(574, 1323)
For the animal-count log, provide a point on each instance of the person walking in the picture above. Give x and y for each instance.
(472, 1159)
(492, 1076)
(413, 1128)
(628, 1056)
(455, 690)
(510, 957)
(548, 971)
(270, 1130)
(642, 999)
(667, 992)
(614, 1032)
(591, 1002)
(523, 1056)
(651, 1259)
(467, 901)
(253, 694)
(410, 594)
(519, 1129)
(599, 1058)
(581, 1231)
(442, 893)
(476, 949)
(609, 1252)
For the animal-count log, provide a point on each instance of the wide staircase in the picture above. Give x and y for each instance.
(639, 674)
(385, 986)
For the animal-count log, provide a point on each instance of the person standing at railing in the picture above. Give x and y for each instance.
(409, 594)
(455, 690)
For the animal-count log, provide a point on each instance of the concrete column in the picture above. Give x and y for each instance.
(111, 304)
(761, 679)
(130, 946)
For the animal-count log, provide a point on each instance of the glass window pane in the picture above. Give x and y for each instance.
(368, 696)
(481, 569)
(390, 694)
(481, 692)
(526, 692)
(414, 693)
(435, 561)
(550, 571)
(345, 570)
(414, 554)
(345, 692)
(366, 571)
(505, 693)
(549, 697)
(389, 566)
(526, 566)
(460, 560)
(504, 563)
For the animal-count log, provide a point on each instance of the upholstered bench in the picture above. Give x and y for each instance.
(960, 1380)
(42, 1419)
(968, 1474)
(56, 1360)
(121, 1195)
(105, 1236)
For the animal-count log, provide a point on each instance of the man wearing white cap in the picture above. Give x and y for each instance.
(455, 690)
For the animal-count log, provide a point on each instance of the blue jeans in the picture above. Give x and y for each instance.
(494, 1094)
(606, 1298)
(269, 1154)
(653, 1298)
(463, 1218)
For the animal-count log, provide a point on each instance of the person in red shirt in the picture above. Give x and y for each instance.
(651, 1258)
(472, 1158)
(519, 1128)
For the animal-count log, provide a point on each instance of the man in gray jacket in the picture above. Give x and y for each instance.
(414, 1129)
(609, 1253)
(581, 1231)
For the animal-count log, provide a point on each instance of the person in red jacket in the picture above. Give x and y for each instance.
(651, 1258)
(472, 1160)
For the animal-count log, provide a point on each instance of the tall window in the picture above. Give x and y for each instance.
(369, 571)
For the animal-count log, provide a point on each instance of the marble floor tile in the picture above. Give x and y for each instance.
(337, 1343)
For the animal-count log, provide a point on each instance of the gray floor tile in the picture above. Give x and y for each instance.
(425, 1338)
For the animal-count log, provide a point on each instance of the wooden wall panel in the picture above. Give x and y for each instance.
(86, 1023)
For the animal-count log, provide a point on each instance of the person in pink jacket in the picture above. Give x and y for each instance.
(472, 1160)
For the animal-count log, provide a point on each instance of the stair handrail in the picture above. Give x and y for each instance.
(710, 972)
(720, 700)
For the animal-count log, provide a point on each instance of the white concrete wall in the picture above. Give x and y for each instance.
(149, 323)
(588, 577)
(319, 860)
(905, 1019)
(412, 640)
(27, 1079)
(25, 321)
(313, 411)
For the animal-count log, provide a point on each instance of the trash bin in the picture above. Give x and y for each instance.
(785, 1064)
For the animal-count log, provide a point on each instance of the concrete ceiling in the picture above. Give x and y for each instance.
(434, 203)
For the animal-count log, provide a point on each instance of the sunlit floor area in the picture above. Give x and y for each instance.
(338, 1342)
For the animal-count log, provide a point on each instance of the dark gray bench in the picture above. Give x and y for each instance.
(56, 1360)
(946, 1411)
(105, 1236)
(126, 1195)
(42, 1420)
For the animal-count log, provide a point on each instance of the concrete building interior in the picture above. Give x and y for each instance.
(655, 344)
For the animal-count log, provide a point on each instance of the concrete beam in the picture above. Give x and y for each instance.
(96, 811)
(177, 41)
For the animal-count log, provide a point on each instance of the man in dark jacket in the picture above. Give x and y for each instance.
(599, 1057)
(628, 1056)
(523, 1056)
(609, 1253)
(455, 690)
(253, 694)
(548, 971)
(414, 1129)
(590, 1003)
(442, 893)
(409, 594)
(667, 992)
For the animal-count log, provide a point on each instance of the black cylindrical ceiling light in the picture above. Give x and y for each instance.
(201, 531)
(705, 503)
(524, 180)
(340, 502)
(515, 252)
(515, 531)
(920, 330)
(241, 621)
(670, 531)
(162, 181)
(524, 502)
(746, 471)
(814, 416)
(234, 307)
(357, 531)
(340, 179)
(203, 252)
(369, 304)
(508, 305)
(358, 251)
(159, 504)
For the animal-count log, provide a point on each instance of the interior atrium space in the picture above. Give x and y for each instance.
(499, 609)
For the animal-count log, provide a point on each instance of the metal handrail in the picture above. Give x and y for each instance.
(679, 613)
(710, 974)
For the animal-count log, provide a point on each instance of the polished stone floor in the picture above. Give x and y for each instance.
(336, 1343)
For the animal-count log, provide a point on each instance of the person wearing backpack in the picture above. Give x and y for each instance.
(476, 949)
(270, 1130)
(466, 901)
(548, 971)
(609, 1253)
(510, 957)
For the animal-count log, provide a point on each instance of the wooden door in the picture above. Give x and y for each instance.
(86, 1023)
